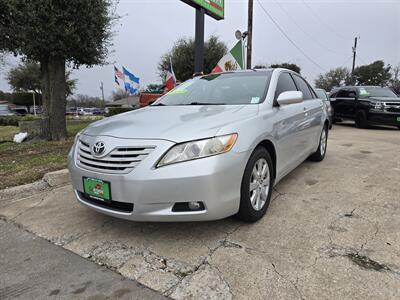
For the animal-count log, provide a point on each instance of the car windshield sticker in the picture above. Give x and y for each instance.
(363, 92)
(181, 89)
(255, 100)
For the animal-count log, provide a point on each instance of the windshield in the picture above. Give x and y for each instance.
(321, 94)
(375, 91)
(219, 89)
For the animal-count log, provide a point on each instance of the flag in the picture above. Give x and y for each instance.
(118, 76)
(170, 81)
(131, 82)
(233, 60)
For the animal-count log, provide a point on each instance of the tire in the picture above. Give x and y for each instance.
(319, 155)
(361, 119)
(252, 211)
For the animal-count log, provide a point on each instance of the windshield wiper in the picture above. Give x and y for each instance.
(158, 104)
(204, 103)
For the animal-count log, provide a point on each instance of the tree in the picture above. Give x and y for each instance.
(26, 77)
(373, 74)
(395, 80)
(119, 94)
(182, 56)
(154, 88)
(54, 33)
(85, 101)
(26, 99)
(334, 78)
(289, 66)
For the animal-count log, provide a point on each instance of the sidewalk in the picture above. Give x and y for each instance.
(32, 268)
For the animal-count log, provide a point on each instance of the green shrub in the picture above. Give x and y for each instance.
(13, 120)
(118, 110)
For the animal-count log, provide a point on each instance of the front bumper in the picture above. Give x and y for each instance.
(153, 191)
(391, 119)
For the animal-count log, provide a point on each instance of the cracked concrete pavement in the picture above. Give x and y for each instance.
(332, 231)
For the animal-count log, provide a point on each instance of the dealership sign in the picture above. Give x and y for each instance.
(213, 8)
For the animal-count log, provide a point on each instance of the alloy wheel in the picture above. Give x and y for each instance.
(259, 184)
(323, 142)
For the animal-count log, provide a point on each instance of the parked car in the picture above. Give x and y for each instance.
(321, 93)
(20, 110)
(212, 147)
(5, 111)
(367, 105)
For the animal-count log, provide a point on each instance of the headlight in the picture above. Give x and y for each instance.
(378, 106)
(77, 136)
(198, 149)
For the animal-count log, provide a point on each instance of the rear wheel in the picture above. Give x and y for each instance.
(256, 188)
(361, 119)
(319, 155)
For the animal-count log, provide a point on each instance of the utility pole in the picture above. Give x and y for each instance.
(102, 93)
(354, 55)
(250, 33)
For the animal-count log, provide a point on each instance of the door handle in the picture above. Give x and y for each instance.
(305, 111)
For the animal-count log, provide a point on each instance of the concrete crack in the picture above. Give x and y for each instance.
(294, 284)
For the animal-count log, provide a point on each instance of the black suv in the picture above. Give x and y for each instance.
(366, 105)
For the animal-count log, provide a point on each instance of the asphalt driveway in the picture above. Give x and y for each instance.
(332, 231)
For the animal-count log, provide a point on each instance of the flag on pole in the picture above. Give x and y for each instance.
(233, 60)
(131, 82)
(118, 76)
(170, 81)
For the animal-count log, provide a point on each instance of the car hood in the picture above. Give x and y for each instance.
(173, 123)
(386, 99)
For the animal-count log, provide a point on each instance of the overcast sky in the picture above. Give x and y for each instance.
(324, 30)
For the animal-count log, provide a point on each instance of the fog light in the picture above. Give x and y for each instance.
(194, 205)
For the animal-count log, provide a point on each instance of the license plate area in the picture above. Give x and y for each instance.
(97, 189)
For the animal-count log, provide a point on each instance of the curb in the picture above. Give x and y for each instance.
(50, 180)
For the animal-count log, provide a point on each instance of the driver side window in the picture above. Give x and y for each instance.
(285, 84)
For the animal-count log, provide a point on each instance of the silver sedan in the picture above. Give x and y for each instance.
(211, 148)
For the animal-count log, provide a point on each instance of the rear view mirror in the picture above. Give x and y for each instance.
(290, 97)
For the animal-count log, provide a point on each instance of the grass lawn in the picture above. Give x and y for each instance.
(27, 162)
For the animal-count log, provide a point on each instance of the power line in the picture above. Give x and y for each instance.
(289, 39)
(323, 22)
(305, 32)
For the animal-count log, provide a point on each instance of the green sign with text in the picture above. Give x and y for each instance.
(213, 8)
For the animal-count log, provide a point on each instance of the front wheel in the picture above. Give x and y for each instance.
(256, 188)
(319, 155)
(361, 119)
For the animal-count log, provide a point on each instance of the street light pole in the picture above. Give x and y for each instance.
(102, 93)
(34, 103)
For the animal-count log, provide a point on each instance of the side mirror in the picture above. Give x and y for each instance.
(290, 97)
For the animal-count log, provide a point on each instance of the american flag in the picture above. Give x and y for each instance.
(118, 74)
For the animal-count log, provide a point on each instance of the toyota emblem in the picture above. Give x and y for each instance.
(99, 148)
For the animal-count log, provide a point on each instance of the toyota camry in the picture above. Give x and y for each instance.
(212, 147)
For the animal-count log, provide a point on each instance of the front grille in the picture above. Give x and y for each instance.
(112, 205)
(120, 160)
(392, 107)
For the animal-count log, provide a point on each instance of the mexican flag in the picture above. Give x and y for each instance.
(233, 60)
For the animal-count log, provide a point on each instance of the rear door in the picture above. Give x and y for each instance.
(345, 103)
